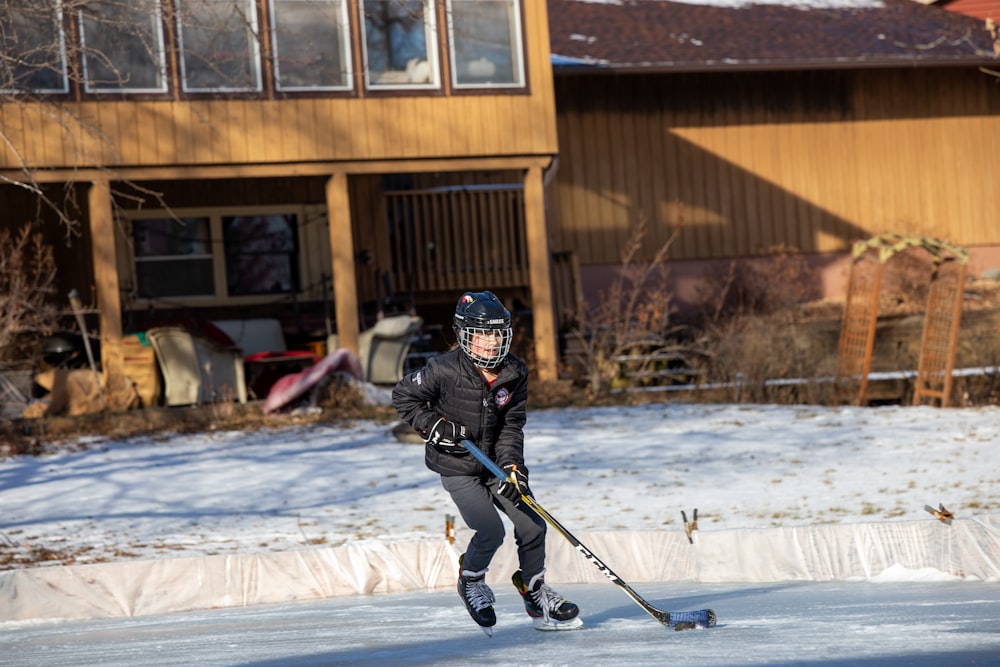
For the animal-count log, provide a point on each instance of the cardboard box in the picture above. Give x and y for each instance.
(142, 369)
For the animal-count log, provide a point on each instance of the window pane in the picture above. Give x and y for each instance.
(167, 236)
(189, 277)
(261, 254)
(485, 37)
(173, 257)
(311, 44)
(218, 42)
(123, 46)
(400, 44)
(32, 48)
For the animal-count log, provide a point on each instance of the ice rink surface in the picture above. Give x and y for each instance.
(815, 623)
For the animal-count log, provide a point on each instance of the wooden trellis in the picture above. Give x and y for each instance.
(857, 333)
(940, 337)
(941, 320)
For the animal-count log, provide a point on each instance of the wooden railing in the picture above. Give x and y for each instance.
(457, 238)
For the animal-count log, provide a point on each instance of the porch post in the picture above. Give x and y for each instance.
(345, 289)
(546, 350)
(102, 239)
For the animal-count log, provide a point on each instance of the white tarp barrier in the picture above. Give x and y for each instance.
(968, 548)
(136, 588)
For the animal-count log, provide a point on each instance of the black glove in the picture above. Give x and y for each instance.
(515, 484)
(445, 435)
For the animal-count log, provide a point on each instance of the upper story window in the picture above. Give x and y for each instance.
(123, 46)
(128, 46)
(400, 44)
(485, 38)
(32, 47)
(219, 49)
(311, 44)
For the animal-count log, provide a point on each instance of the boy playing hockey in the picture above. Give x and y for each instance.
(478, 391)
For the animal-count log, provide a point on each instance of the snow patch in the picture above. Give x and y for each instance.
(900, 574)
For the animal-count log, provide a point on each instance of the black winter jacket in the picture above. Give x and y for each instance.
(451, 386)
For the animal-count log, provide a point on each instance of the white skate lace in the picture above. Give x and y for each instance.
(478, 594)
(547, 599)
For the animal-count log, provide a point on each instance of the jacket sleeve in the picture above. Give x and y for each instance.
(414, 395)
(510, 441)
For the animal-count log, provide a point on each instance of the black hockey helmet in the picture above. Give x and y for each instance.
(482, 313)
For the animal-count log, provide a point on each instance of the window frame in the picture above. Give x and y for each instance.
(346, 50)
(295, 271)
(433, 46)
(182, 261)
(59, 18)
(161, 65)
(215, 215)
(253, 53)
(518, 50)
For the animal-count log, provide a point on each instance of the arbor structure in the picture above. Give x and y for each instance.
(942, 315)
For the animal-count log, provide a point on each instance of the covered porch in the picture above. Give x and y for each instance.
(370, 246)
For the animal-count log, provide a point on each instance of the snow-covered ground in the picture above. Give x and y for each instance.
(783, 494)
(618, 468)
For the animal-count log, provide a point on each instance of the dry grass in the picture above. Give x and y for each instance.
(12, 558)
(35, 437)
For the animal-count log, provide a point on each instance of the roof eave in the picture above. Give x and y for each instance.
(565, 67)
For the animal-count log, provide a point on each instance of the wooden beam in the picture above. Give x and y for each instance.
(102, 233)
(345, 289)
(546, 350)
(212, 171)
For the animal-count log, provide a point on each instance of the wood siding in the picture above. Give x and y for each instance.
(744, 162)
(262, 131)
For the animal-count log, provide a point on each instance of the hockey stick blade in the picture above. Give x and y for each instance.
(682, 620)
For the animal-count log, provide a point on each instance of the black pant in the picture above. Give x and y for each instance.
(478, 502)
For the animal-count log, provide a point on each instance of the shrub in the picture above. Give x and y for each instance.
(27, 278)
(629, 333)
(761, 349)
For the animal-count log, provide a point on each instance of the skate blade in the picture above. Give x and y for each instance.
(487, 630)
(556, 626)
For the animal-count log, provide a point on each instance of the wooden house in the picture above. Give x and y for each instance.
(320, 161)
(804, 126)
(269, 158)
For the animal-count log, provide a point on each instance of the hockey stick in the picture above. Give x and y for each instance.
(678, 620)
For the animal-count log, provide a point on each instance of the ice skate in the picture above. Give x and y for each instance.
(547, 609)
(478, 598)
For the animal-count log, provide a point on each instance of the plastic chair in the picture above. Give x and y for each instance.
(382, 349)
(195, 370)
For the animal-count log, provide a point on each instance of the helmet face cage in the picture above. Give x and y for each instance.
(486, 347)
(483, 328)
